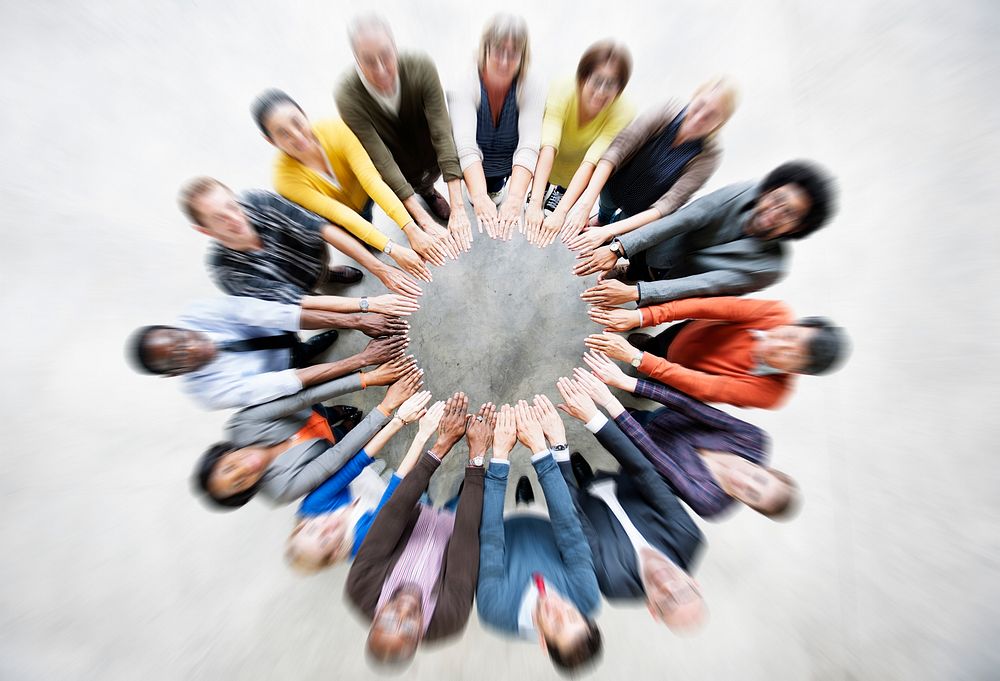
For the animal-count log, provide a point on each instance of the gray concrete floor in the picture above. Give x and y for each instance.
(112, 571)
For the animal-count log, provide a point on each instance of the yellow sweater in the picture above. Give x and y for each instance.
(356, 178)
(575, 144)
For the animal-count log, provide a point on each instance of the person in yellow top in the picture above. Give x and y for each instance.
(324, 169)
(582, 117)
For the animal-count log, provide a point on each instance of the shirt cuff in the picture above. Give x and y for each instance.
(560, 456)
(433, 456)
(537, 456)
(503, 462)
(596, 423)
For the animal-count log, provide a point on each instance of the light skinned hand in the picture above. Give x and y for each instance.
(479, 430)
(426, 245)
(410, 261)
(400, 282)
(590, 239)
(576, 402)
(508, 217)
(533, 218)
(612, 345)
(430, 420)
(550, 229)
(504, 432)
(529, 427)
(414, 407)
(444, 245)
(593, 386)
(615, 318)
(460, 230)
(609, 372)
(394, 304)
(601, 260)
(575, 222)
(611, 292)
(552, 425)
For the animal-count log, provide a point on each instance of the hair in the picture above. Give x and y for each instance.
(303, 563)
(191, 190)
(502, 27)
(815, 181)
(728, 94)
(203, 472)
(788, 504)
(586, 652)
(136, 352)
(828, 348)
(367, 22)
(265, 103)
(392, 662)
(604, 52)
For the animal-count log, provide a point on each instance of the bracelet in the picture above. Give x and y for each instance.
(560, 448)
(361, 375)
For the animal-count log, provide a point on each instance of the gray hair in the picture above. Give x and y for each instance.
(500, 28)
(368, 23)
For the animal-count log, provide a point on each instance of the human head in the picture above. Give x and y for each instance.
(503, 47)
(213, 210)
(603, 72)
(571, 639)
(672, 595)
(230, 477)
(375, 51)
(397, 627)
(319, 541)
(711, 106)
(766, 490)
(283, 123)
(812, 345)
(796, 199)
(169, 351)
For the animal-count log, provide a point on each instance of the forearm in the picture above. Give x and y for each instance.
(389, 431)
(542, 170)
(324, 312)
(576, 186)
(635, 222)
(475, 180)
(455, 194)
(416, 211)
(320, 373)
(352, 248)
(517, 187)
(596, 185)
(413, 454)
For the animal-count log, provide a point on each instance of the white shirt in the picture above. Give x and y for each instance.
(241, 379)
(607, 491)
(525, 621)
(388, 102)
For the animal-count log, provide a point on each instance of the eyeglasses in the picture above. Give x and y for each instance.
(600, 83)
(501, 53)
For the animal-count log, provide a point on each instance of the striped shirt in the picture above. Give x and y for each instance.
(289, 265)
(653, 169)
(497, 142)
(673, 436)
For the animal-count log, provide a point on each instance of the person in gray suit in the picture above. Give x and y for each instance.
(643, 541)
(729, 242)
(270, 450)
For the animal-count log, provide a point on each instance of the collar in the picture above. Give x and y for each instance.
(760, 367)
(387, 102)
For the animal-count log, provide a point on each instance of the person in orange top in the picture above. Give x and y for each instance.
(739, 351)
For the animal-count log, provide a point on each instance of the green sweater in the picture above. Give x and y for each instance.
(413, 148)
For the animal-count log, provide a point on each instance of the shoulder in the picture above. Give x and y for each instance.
(256, 198)
(348, 87)
(417, 65)
(562, 89)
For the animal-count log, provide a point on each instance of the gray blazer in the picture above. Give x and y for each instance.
(304, 466)
(701, 250)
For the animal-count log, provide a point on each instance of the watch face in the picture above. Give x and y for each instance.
(364, 305)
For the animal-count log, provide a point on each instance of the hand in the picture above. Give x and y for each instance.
(533, 218)
(403, 389)
(394, 304)
(529, 427)
(615, 318)
(509, 216)
(601, 260)
(609, 372)
(410, 261)
(486, 214)
(452, 426)
(443, 239)
(612, 345)
(550, 228)
(399, 281)
(430, 420)
(611, 292)
(552, 425)
(576, 402)
(381, 350)
(385, 374)
(479, 430)
(590, 239)
(414, 407)
(504, 432)
(425, 245)
(594, 387)
(375, 325)
(576, 222)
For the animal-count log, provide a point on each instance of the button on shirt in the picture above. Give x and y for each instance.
(241, 379)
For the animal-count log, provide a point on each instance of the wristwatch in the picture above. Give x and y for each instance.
(363, 304)
(616, 247)
(637, 360)
(559, 448)
(477, 461)
(388, 248)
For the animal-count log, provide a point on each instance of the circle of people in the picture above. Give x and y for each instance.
(539, 165)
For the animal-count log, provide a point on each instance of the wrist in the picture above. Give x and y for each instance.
(503, 454)
(385, 409)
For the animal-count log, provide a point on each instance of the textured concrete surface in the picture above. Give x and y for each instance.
(112, 571)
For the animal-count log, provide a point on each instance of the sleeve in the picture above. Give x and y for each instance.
(566, 468)
(367, 574)
(319, 500)
(365, 522)
(634, 135)
(237, 282)
(729, 282)
(761, 314)
(229, 391)
(310, 476)
(764, 392)
(243, 311)
(573, 545)
(620, 115)
(293, 183)
(438, 121)
(530, 109)
(556, 105)
(492, 539)
(694, 177)
(462, 105)
(369, 178)
(359, 120)
(461, 568)
(303, 399)
(691, 217)
(291, 212)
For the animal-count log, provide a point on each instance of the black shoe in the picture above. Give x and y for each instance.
(523, 493)
(343, 274)
(581, 469)
(639, 341)
(308, 350)
(437, 203)
(343, 415)
(552, 202)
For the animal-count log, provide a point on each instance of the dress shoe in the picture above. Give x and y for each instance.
(639, 341)
(437, 203)
(343, 274)
(581, 470)
(308, 350)
(523, 493)
(343, 415)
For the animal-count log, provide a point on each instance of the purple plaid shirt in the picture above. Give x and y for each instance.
(672, 438)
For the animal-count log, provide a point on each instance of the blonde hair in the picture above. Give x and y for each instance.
(503, 27)
(305, 563)
(728, 96)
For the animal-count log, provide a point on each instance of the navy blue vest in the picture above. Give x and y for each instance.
(497, 143)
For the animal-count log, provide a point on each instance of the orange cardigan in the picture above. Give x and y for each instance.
(710, 359)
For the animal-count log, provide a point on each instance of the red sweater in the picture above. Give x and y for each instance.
(711, 359)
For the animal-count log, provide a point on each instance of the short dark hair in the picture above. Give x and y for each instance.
(815, 181)
(136, 352)
(265, 103)
(828, 347)
(586, 652)
(603, 52)
(203, 472)
(191, 190)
